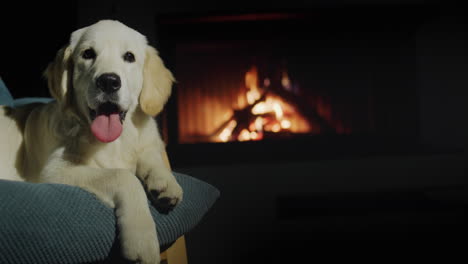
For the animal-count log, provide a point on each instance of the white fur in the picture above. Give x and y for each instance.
(53, 142)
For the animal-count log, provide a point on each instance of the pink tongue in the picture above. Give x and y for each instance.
(107, 128)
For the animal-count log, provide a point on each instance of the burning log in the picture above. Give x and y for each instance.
(303, 107)
(262, 115)
(243, 118)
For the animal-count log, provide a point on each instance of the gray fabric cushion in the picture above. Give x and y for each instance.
(7, 99)
(5, 96)
(29, 100)
(52, 223)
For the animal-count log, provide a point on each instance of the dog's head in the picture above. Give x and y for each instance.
(107, 70)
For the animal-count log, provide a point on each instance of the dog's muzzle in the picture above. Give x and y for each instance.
(107, 121)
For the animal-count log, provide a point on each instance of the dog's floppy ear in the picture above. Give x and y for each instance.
(157, 83)
(58, 75)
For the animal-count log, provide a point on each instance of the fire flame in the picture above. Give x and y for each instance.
(273, 113)
(251, 82)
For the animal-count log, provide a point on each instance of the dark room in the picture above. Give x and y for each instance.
(321, 129)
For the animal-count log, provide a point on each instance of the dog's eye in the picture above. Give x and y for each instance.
(88, 54)
(129, 57)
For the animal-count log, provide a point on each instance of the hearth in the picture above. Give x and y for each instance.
(289, 85)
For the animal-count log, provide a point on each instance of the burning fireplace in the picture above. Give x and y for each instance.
(261, 109)
(287, 82)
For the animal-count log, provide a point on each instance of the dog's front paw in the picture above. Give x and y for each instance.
(164, 193)
(140, 245)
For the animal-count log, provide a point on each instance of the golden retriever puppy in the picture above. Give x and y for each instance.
(99, 133)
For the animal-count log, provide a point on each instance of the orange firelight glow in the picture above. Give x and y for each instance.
(273, 113)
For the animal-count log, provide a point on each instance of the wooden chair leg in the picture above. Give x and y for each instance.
(176, 254)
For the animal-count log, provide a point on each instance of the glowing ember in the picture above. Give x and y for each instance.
(227, 131)
(285, 124)
(276, 128)
(244, 135)
(261, 108)
(278, 110)
(252, 96)
(259, 124)
(253, 135)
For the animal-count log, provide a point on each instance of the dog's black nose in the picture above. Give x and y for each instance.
(108, 82)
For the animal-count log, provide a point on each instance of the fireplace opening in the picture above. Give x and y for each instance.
(262, 109)
(275, 84)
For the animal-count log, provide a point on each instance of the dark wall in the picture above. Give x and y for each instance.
(137, 14)
(442, 74)
(31, 34)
